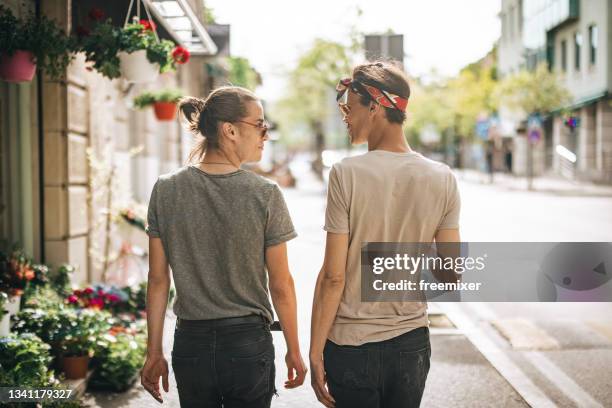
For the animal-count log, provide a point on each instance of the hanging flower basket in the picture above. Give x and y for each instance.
(32, 42)
(136, 67)
(19, 67)
(133, 51)
(163, 102)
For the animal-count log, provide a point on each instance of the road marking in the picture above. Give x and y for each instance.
(498, 358)
(523, 334)
(546, 367)
(568, 386)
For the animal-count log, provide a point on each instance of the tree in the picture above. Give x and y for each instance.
(241, 73)
(532, 93)
(311, 88)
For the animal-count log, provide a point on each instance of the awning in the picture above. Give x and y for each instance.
(183, 25)
(582, 102)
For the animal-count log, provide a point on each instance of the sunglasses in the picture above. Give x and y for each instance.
(380, 96)
(264, 126)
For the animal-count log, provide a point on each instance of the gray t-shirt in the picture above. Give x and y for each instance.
(214, 229)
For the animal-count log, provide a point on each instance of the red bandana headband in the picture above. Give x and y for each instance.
(380, 96)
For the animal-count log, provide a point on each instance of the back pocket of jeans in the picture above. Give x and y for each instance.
(251, 376)
(186, 372)
(414, 367)
(346, 367)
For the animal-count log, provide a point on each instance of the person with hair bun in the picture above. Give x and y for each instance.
(223, 231)
(376, 354)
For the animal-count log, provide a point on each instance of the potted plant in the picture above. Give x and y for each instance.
(78, 334)
(16, 273)
(118, 363)
(24, 360)
(71, 333)
(133, 51)
(163, 102)
(33, 42)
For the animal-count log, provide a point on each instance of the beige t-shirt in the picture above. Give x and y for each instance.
(384, 196)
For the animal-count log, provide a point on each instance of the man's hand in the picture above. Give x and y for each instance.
(318, 382)
(155, 367)
(296, 370)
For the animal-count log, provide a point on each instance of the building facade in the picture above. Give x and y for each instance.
(574, 38)
(53, 132)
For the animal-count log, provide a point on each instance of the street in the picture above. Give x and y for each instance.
(486, 355)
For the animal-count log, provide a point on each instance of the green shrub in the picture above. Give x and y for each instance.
(118, 361)
(150, 97)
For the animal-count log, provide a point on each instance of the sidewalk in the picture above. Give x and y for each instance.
(544, 184)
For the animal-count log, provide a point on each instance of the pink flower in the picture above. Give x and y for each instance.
(97, 303)
(88, 291)
(113, 298)
(72, 299)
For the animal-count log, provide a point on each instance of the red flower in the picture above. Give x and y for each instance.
(113, 298)
(88, 291)
(29, 274)
(72, 299)
(78, 292)
(180, 55)
(148, 25)
(96, 14)
(100, 292)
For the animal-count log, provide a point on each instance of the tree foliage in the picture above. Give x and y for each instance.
(533, 91)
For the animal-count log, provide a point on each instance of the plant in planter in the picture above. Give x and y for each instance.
(16, 274)
(72, 334)
(133, 51)
(100, 297)
(24, 360)
(119, 361)
(35, 41)
(163, 102)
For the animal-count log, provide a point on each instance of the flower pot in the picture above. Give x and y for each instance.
(19, 67)
(75, 367)
(136, 67)
(12, 307)
(165, 110)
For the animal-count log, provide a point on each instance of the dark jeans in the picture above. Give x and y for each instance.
(223, 365)
(383, 374)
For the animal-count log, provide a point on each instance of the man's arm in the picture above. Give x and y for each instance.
(157, 302)
(282, 291)
(328, 293)
(447, 238)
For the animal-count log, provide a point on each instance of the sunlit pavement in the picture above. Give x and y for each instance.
(473, 364)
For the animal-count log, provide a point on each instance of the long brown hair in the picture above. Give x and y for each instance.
(224, 104)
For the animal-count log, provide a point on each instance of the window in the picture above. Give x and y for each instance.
(577, 48)
(564, 55)
(593, 44)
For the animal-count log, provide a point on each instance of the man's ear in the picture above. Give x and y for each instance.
(229, 130)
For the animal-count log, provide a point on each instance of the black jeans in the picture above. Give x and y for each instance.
(385, 374)
(223, 365)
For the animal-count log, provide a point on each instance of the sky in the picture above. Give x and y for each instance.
(440, 35)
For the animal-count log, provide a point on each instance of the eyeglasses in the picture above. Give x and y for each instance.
(264, 126)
